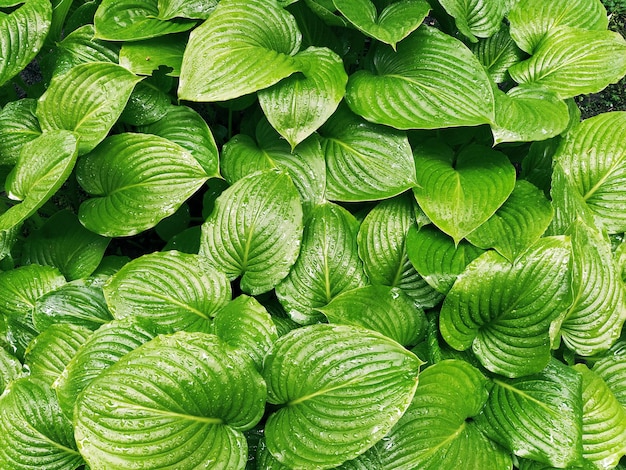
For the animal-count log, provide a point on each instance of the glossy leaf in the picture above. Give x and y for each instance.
(146, 105)
(179, 401)
(144, 57)
(497, 53)
(473, 18)
(200, 9)
(255, 230)
(245, 46)
(611, 367)
(341, 389)
(136, 180)
(10, 369)
(432, 81)
(18, 125)
(328, 264)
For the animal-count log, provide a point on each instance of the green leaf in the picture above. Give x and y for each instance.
(22, 34)
(604, 421)
(571, 62)
(611, 367)
(384, 309)
(180, 293)
(503, 310)
(18, 125)
(532, 20)
(517, 224)
(245, 325)
(177, 401)
(481, 18)
(137, 180)
(129, 20)
(432, 81)
(10, 369)
(48, 354)
(200, 9)
(326, 10)
(538, 416)
(437, 258)
(64, 243)
(459, 192)
(364, 161)
(383, 249)
(437, 432)
(341, 388)
(34, 433)
(245, 46)
(328, 264)
(146, 105)
(255, 230)
(87, 100)
(144, 57)
(497, 53)
(298, 105)
(394, 23)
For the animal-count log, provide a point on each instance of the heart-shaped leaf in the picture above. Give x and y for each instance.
(255, 230)
(299, 104)
(460, 192)
(137, 180)
(341, 388)
(144, 57)
(180, 293)
(497, 53)
(245, 46)
(432, 81)
(200, 9)
(481, 18)
(10, 369)
(179, 398)
(18, 125)
(328, 264)
(503, 310)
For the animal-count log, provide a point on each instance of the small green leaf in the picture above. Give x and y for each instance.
(18, 125)
(497, 53)
(481, 18)
(200, 9)
(144, 57)
(146, 105)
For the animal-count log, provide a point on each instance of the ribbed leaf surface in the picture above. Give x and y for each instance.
(341, 388)
(473, 18)
(144, 57)
(10, 369)
(612, 369)
(18, 125)
(497, 53)
(201, 9)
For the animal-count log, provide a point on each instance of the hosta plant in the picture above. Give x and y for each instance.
(310, 234)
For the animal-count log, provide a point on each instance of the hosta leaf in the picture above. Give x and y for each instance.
(379, 308)
(136, 180)
(185, 127)
(432, 81)
(437, 258)
(517, 224)
(328, 264)
(341, 388)
(79, 302)
(298, 105)
(131, 20)
(146, 105)
(245, 46)
(460, 192)
(326, 10)
(436, 432)
(571, 61)
(103, 348)
(503, 310)
(604, 421)
(245, 325)
(538, 416)
(481, 18)
(595, 318)
(612, 369)
(395, 22)
(33, 431)
(179, 293)
(22, 34)
(255, 230)
(177, 401)
(48, 354)
(199, 9)
(497, 53)
(86, 100)
(532, 20)
(383, 249)
(18, 125)
(144, 57)
(10, 369)
(364, 161)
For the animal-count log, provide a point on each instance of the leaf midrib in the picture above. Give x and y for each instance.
(526, 396)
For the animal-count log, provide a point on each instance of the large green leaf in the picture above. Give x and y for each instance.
(298, 105)
(364, 161)
(146, 105)
(87, 100)
(432, 81)
(572, 61)
(503, 310)
(255, 230)
(245, 46)
(179, 401)
(18, 125)
(497, 53)
(10, 369)
(137, 180)
(341, 389)
(33, 431)
(481, 18)
(144, 57)
(22, 34)
(611, 367)
(459, 192)
(538, 416)
(179, 293)
(328, 264)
